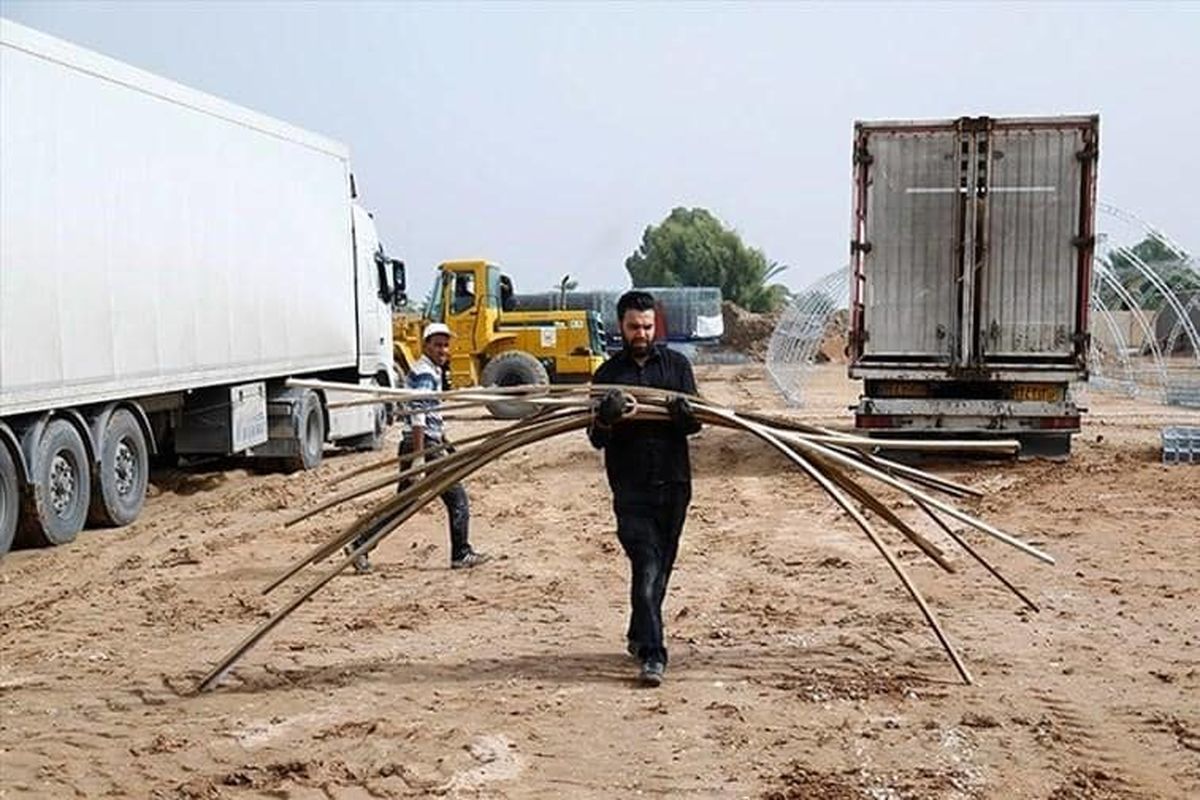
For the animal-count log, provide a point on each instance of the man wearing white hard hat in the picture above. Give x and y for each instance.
(423, 430)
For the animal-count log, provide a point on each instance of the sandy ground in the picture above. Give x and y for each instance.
(799, 668)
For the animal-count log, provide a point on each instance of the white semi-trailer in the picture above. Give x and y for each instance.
(167, 261)
(972, 254)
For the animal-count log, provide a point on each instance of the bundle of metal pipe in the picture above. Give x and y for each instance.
(835, 461)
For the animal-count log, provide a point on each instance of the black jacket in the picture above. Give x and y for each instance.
(643, 454)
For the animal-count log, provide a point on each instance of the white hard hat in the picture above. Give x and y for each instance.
(434, 328)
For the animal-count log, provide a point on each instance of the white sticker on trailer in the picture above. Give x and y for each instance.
(994, 190)
(549, 337)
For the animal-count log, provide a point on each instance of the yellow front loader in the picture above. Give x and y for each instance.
(494, 345)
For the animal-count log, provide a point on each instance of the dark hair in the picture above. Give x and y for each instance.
(635, 300)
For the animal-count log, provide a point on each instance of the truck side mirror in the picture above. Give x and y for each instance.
(386, 294)
(399, 284)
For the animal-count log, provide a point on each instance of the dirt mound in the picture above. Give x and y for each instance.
(835, 339)
(749, 333)
(746, 331)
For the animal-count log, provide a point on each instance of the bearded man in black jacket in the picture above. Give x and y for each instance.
(648, 470)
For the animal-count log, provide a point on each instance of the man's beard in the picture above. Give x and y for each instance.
(639, 348)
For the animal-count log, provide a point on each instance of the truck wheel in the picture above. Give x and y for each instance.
(9, 499)
(61, 487)
(311, 432)
(513, 368)
(119, 490)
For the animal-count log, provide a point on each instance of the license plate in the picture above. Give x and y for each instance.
(902, 389)
(1037, 392)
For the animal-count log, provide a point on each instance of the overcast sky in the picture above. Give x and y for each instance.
(547, 136)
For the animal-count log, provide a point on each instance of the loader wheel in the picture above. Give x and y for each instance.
(9, 499)
(119, 491)
(513, 368)
(62, 487)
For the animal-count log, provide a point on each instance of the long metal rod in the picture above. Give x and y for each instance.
(428, 468)
(842, 458)
(450, 470)
(832, 453)
(485, 396)
(533, 390)
(975, 554)
(997, 446)
(448, 464)
(394, 513)
(833, 491)
(429, 450)
(244, 646)
(856, 490)
(916, 493)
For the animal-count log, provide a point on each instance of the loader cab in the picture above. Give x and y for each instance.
(467, 297)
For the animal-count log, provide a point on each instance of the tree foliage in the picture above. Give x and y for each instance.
(1176, 272)
(691, 247)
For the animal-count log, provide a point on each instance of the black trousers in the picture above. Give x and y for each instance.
(649, 524)
(458, 508)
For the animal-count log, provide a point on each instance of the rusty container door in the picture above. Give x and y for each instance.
(906, 248)
(1032, 280)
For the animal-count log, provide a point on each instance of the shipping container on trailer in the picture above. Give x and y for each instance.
(971, 255)
(167, 260)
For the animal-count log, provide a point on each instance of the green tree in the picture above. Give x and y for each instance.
(691, 247)
(1176, 272)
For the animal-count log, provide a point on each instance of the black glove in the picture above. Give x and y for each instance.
(610, 407)
(682, 414)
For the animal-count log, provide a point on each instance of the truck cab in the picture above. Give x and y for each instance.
(380, 282)
(494, 345)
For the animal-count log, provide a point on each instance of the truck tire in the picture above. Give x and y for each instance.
(61, 487)
(513, 368)
(119, 491)
(10, 499)
(310, 430)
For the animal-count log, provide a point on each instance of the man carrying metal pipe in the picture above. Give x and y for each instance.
(425, 429)
(648, 469)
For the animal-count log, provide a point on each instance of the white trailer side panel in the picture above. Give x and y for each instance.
(153, 238)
